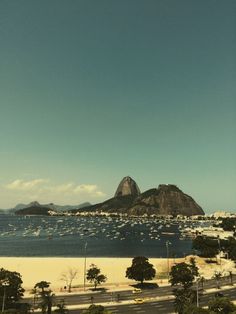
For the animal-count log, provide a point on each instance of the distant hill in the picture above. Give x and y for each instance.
(33, 210)
(167, 199)
(50, 206)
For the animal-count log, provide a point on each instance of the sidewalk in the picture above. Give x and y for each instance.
(108, 288)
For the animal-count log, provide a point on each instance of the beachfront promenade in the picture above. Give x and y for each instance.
(158, 300)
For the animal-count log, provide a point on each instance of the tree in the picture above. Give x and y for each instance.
(183, 299)
(140, 269)
(207, 247)
(12, 291)
(232, 252)
(221, 305)
(47, 300)
(17, 311)
(42, 285)
(231, 277)
(182, 274)
(193, 267)
(217, 276)
(19, 308)
(61, 308)
(228, 224)
(68, 277)
(202, 280)
(96, 309)
(94, 276)
(46, 296)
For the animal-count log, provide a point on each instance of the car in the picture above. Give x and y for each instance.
(136, 290)
(139, 301)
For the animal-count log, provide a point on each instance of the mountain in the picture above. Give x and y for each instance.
(127, 186)
(125, 195)
(33, 210)
(167, 199)
(115, 204)
(48, 206)
(21, 206)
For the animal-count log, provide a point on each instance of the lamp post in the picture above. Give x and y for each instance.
(168, 263)
(197, 290)
(218, 239)
(85, 260)
(5, 284)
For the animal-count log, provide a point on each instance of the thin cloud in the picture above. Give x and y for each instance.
(42, 188)
(85, 188)
(22, 185)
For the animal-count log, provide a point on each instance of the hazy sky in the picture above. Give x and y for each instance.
(91, 91)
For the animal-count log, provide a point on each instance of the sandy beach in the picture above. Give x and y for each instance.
(50, 269)
(36, 269)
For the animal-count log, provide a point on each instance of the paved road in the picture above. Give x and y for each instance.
(160, 307)
(147, 307)
(107, 296)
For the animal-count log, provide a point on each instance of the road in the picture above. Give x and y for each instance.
(127, 296)
(160, 307)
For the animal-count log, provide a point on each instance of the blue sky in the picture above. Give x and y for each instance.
(91, 91)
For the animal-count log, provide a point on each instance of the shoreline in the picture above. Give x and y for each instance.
(35, 269)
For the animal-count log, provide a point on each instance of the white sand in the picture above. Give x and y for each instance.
(37, 269)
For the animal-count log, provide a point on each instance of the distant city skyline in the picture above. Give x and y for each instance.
(92, 91)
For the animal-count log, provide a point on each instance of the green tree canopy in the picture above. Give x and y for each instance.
(183, 299)
(46, 296)
(229, 246)
(183, 274)
(140, 269)
(221, 305)
(96, 309)
(47, 300)
(205, 246)
(42, 285)
(61, 308)
(94, 275)
(228, 224)
(217, 276)
(13, 288)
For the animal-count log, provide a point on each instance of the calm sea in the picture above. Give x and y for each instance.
(94, 236)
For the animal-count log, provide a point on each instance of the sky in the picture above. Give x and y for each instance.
(92, 91)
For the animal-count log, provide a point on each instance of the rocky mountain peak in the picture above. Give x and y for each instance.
(167, 199)
(168, 188)
(34, 203)
(127, 186)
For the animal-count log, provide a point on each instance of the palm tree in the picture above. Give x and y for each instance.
(217, 278)
(45, 296)
(61, 308)
(202, 280)
(47, 300)
(42, 285)
(231, 277)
